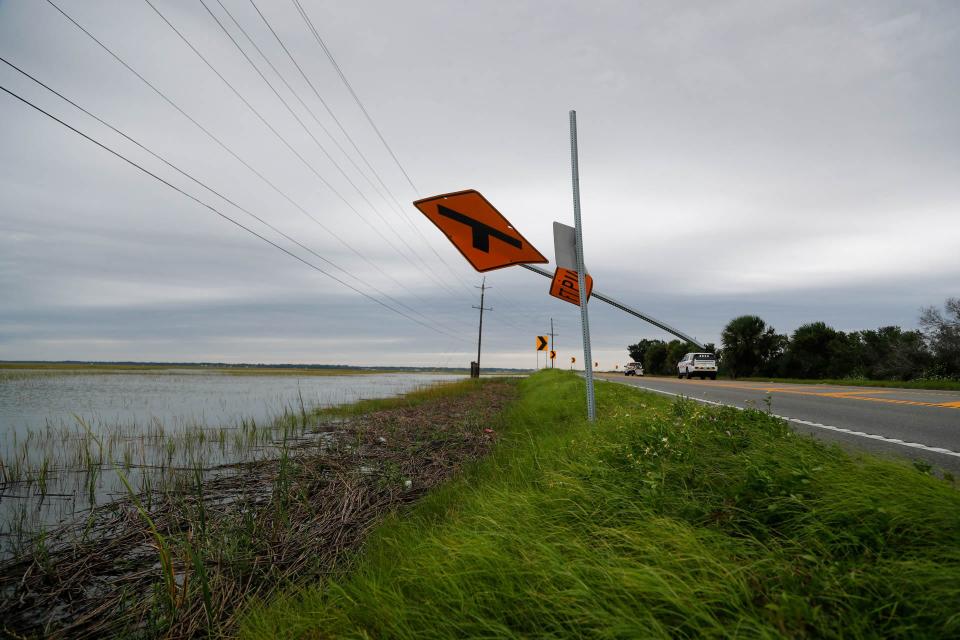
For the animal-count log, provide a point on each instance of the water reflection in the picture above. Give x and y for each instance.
(65, 439)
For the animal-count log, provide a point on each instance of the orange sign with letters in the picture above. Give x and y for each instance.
(565, 287)
(485, 238)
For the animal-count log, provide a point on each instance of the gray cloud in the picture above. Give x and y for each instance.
(797, 160)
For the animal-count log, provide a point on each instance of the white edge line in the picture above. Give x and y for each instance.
(861, 434)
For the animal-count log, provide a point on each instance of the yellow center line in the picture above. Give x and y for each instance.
(844, 395)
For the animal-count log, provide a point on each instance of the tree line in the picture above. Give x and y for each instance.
(751, 347)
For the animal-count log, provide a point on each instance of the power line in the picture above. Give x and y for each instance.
(310, 134)
(313, 88)
(225, 147)
(296, 95)
(248, 166)
(366, 114)
(343, 77)
(207, 187)
(404, 215)
(221, 214)
(353, 93)
(286, 143)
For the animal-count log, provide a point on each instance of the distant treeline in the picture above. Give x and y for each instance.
(750, 347)
(661, 358)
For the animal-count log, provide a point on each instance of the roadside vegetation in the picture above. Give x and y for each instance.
(189, 538)
(815, 351)
(663, 519)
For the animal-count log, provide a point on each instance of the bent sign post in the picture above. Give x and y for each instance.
(488, 241)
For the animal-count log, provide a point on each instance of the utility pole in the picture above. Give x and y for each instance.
(553, 346)
(475, 371)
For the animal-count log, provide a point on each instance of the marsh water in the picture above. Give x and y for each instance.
(73, 441)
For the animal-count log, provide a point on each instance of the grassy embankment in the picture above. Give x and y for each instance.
(665, 519)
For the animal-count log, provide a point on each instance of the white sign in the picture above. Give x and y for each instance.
(565, 246)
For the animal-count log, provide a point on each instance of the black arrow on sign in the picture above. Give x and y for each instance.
(541, 343)
(481, 231)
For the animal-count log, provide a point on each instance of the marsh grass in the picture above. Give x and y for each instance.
(51, 472)
(181, 549)
(664, 519)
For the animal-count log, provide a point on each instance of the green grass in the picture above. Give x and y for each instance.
(410, 399)
(664, 519)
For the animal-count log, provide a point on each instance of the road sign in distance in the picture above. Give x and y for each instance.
(485, 238)
(553, 355)
(542, 342)
(565, 287)
(573, 360)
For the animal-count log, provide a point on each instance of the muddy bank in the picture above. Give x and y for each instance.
(180, 563)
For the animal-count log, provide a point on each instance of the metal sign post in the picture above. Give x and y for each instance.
(584, 318)
(602, 297)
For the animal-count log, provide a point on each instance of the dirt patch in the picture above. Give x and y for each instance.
(181, 563)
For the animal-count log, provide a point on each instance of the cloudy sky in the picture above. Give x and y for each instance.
(796, 160)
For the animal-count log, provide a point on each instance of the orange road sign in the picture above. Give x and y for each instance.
(542, 342)
(565, 287)
(573, 360)
(485, 238)
(553, 355)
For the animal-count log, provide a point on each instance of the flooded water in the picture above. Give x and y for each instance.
(181, 399)
(68, 442)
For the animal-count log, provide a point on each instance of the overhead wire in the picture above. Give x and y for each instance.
(312, 29)
(219, 213)
(400, 208)
(224, 146)
(296, 95)
(329, 110)
(285, 142)
(323, 102)
(209, 188)
(353, 93)
(346, 82)
(316, 141)
(499, 318)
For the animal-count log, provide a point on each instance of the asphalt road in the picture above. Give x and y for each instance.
(911, 423)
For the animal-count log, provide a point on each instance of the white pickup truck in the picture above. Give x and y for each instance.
(701, 365)
(633, 369)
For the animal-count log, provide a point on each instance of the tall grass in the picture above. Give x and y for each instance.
(664, 519)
